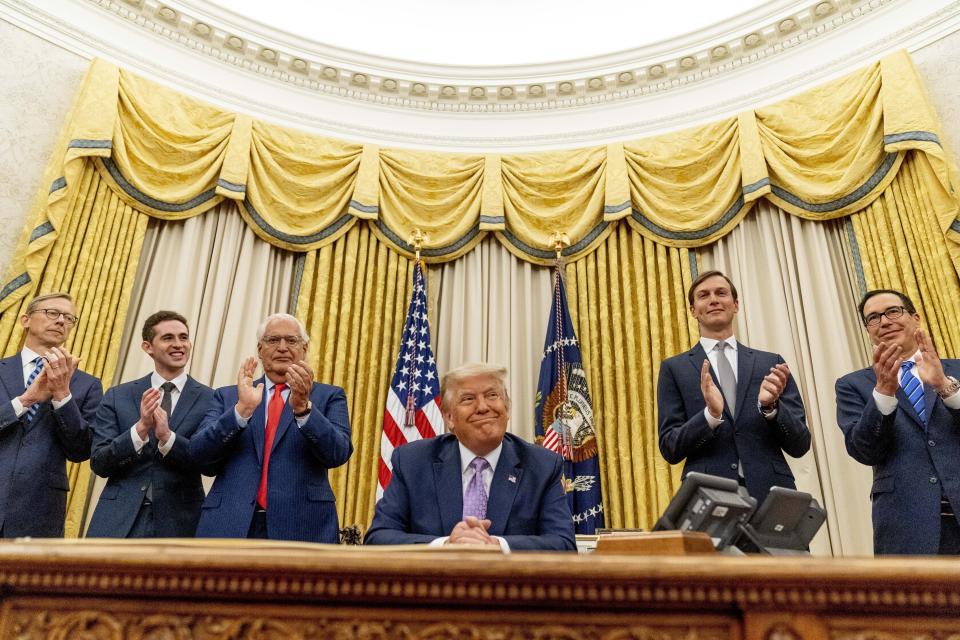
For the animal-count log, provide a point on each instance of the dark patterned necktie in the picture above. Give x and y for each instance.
(166, 402)
(32, 409)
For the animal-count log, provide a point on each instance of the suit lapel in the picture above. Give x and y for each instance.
(503, 488)
(448, 485)
(188, 397)
(745, 361)
(258, 422)
(11, 375)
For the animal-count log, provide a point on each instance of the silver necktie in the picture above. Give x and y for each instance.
(728, 381)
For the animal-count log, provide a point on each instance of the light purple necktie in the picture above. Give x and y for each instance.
(475, 497)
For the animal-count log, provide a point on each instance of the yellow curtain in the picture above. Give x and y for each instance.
(95, 260)
(822, 154)
(900, 245)
(628, 305)
(352, 299)
(867, 143)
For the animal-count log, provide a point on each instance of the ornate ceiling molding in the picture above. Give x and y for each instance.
(397, 84)
(782, 48)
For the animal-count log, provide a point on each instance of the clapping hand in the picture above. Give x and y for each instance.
(161, 425)
(929, 367)
(886, 367)
(248, 395)
(149, 405)
(59, 369)
(711, 394)
(300, 381)
(773, 385)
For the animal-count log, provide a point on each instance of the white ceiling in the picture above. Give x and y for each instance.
(491, 32)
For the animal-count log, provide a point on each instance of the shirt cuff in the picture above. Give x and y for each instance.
(302, 420)
(240, 419)
(712, 422)
(769, 415)
(953, 402)
(504, 545)
(59, 403)
(885, 404)
(438, 542)
(138, 444)
(18, 407)
(164, 449)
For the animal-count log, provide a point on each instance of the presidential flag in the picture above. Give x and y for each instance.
(413, 402)
(563, 414)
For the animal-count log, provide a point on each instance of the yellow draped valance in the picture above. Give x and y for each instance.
(822, 154)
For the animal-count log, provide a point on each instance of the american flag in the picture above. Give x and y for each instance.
(413, 403)
(563, 414)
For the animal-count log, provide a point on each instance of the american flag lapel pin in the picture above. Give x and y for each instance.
(512, 478)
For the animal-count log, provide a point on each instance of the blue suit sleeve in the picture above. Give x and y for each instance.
(679, 435)
(391, 518)
(328, 428)
(73, 422)
(218, 434)
(867, 433)
(792, 433)
(555, 531)
(113, 450)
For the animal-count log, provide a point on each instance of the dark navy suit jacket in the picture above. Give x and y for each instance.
(33, 470)
(177, 489)
(424, 500)
(747, 437)
(300, 502)
(912, 464)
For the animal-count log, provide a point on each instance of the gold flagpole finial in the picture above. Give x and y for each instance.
(560, 240)
(418, 239)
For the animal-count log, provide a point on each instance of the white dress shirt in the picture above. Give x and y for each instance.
(27, 357)
(155, 381)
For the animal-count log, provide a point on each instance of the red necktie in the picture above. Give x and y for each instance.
(274, 409)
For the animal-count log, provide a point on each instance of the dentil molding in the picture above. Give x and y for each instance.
(782, 47)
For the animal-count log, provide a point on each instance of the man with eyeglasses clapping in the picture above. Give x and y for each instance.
(46, 408)
(270, 442)
(902, 417)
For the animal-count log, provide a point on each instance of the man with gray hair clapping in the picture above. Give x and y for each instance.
(270, 443)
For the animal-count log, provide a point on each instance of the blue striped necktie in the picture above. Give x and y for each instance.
(914, 390)
(32, 409)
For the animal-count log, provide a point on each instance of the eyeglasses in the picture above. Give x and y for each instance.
(892, 313)
(54, 314)
(273, 341)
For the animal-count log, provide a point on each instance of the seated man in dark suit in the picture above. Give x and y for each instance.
(46, 408)
(477, 484)
(727, 409)
(141, 442)
(270, 444)
(902, 417)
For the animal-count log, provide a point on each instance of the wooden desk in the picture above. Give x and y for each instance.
(262, 591)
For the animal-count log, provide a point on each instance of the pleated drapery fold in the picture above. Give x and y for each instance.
(822, 154)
